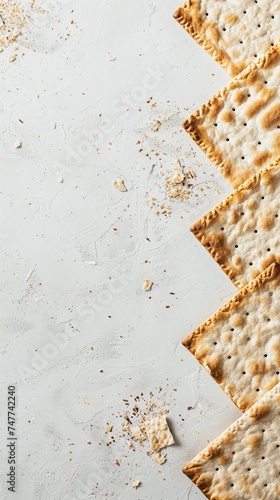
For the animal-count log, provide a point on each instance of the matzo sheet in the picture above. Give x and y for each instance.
(239, 128)
(240, 344)
(243, 463)
(233, 33)
(242, 233)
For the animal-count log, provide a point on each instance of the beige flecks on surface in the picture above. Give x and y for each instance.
(13, 19)
(21, 21)
(178, 175)
(242, 232)
(120, 185)
(17, 144)
(147, 285)
(239, 344)
(159, 458)
(250, 141)
(234, 33)
(243, 463)
(135, 484)
(158, 433)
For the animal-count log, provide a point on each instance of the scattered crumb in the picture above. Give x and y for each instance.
(60, 180)
(100, 370)
(53, 124)
(135, 484)
(178, 175)
(159, 434)
(17, 144)
(179, 185)
(109, 57)
(158, 124)
(12, 57)
(88, 442)
(147, 285)
(159, 458)
(130, 424)
(119, 184)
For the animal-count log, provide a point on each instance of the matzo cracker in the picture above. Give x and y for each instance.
(239, 128)
(158, 433)
(240, 344)
(242, 233)
(233, 33)
(243, 463)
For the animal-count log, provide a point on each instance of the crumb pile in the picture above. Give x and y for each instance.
(143, 424)
(12, 20)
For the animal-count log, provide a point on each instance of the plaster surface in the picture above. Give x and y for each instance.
(98, 91)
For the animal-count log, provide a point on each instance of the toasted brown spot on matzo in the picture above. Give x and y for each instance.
(240, 96)
(227, 116)
(271, 118)
(260, 411)
(261, 158)
(231, 18)
(254, 440)
(215, 369)
(256, 106)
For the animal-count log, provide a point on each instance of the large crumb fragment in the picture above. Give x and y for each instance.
(17, 144)
(12, 57)
(158, 433)
(119, 184)
(159, 458)
(110, 58)
(135, 484)
(178, 175)
(147, 285)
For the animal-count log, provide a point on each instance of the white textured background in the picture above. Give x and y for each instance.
(72, 302)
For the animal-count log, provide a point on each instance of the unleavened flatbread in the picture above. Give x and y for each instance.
(240, 344)
(233, 33)
(243, 463)
(242, 233)
(239, 128)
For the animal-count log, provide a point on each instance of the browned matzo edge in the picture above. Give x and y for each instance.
(238, 128)
(243, 462)
(240, 233)
(232, 33)
(239, 345)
